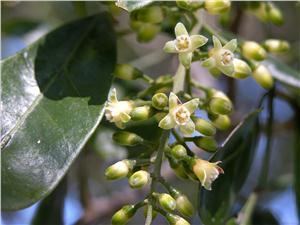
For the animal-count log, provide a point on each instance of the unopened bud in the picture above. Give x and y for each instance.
(217, 6)
(159, 101)
(139, 179)
(183, 204)
(122, 216)
(188, 5)
(207, 143)
(176, 220)
(220, 106)
(253, 50)
(127, 72)
(275, 16)
(141, 113)
(136, 25)
(178, 152)
(119, 169)
(147, 32)
(127, 138)
(263, 77)
(205, 127)
(241, 69)
(221, 122)
(152, 14)
(276, 46)
(177, 168)
(166, 201)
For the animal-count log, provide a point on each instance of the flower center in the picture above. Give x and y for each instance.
(183, 42)
(182, 116)
(226, 58)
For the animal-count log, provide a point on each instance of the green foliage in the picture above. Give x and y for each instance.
(53, 96)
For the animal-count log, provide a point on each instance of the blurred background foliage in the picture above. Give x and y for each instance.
(84, 196)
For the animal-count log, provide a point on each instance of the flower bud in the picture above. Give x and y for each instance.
(276, 46)
(178, 152)
(176, 220)
(253, 50)
(159, 101)
(177, 168)
(188, 5)
(166, 201)
(119, 169)
(127, 72)
(147, 32)
(263, 77)
(135, 25)
(220, 106)
(275, 16)
(153, 14)
(183, 204)
(207, 143)
(122, 216)
(221, 122)
(139, 179)
(205, 127)
(217, 6)
(141, 113)
(127, 138)
(241, 69)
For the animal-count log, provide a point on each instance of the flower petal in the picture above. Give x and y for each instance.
(124, 117)
(209, 63)
(231, 45)
(186, 59)
(217, 43)
(188, 128)
(180, 30)
(167, 122)
(170, 47)
(198, 41)
(174, 101)
(191, 105)
(227, 70)
(120, 125)
(113, 96)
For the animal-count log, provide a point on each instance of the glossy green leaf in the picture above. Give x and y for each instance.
(283, 73)
(236, 155)
(131, 5)
(53, 96)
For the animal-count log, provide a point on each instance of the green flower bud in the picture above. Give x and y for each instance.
(189, 5)
(141, 113)
(241, 69)
(139, 179)
(147, 32)
(166, 201)
(159, 101)
(153, 14)
(177, 168)
(207, 143)
(263, 77)
(217, 6)
(135, 25)
(205, 127)
(275, 16)
(221, 122)
(220, 106)
(276, 46)
(119, 169)
(122, 216)
(176, 220)
(127, 138)
(178, 152)
(253, 50)
(127, 72)
(184, 206)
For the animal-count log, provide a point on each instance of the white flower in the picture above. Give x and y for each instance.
(206, 172)
(179, 115)
(221, 57)
(184, 44)
(118, 111)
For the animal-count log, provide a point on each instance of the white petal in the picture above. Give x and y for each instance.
(231, 45)
(173, 101)
(217, 43)
(180, 30)
(188, 128)
(191, 105)
(170, 47)
(209, 63)
(167, 122)
(198, 41)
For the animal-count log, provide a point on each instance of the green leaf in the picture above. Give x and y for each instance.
(296, 162)
(236, 155)
(283, 73)
(131, 5)
(53, 96)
